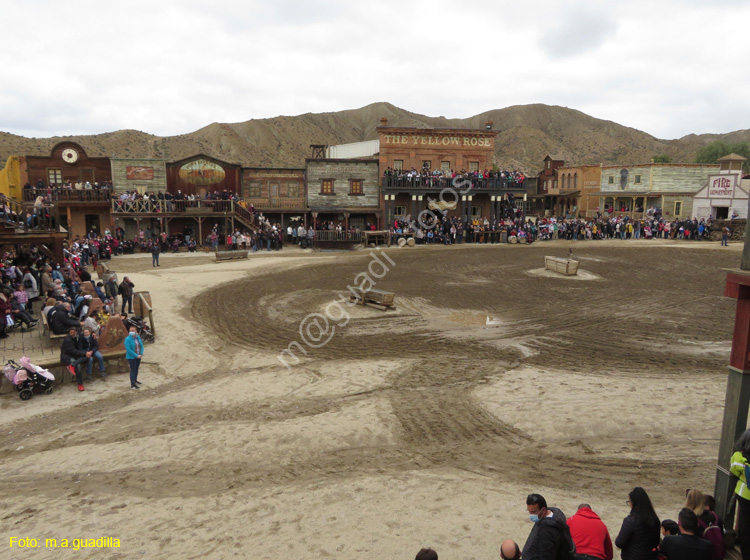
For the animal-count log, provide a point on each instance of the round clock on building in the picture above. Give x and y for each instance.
(70, 155)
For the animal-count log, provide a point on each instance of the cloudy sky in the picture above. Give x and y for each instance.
(668, 67)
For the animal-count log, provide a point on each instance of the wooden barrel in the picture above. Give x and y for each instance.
(411, 242)
(401, 242)
(512, 239)
(101, 270)
(138, 307)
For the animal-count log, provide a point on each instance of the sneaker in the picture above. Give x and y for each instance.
(138, 383)
(134, 387)
(72, 370)
(103, 374)
(80, 387)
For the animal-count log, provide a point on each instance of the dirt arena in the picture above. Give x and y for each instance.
(423, 426)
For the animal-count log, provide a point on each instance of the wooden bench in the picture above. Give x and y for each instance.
(46, 330)
(568, 267)
(231, 255)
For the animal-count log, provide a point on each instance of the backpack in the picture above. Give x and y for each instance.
(713, 534)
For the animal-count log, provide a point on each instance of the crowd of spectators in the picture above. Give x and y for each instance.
(424, 178)
(697, 534)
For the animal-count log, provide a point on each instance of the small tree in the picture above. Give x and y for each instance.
(711, 152)
(662, 158)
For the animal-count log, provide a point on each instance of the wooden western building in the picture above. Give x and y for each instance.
(443, 149)
(276, 192)
(200, 175)
(344, 191)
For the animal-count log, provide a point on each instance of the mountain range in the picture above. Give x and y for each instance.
(526, 134)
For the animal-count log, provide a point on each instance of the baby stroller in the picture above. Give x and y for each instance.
(141, 328)
(27, 376)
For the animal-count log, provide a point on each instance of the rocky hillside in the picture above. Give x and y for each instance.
(526, 134)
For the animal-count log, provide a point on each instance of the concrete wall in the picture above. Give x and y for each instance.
(137, 179)
(341, 171)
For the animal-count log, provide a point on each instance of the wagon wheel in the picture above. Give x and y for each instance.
(25, 394)
(48, 391)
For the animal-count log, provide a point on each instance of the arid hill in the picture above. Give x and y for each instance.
(526, 134)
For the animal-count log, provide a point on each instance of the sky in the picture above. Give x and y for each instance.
(167, 67)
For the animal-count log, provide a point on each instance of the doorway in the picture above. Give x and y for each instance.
(92, 223)
(722, 212)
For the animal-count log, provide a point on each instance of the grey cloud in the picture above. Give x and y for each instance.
(577, 30)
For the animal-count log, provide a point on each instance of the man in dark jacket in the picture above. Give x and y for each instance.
(71, 355)
(126, 291)
(90, 345)
(155, 250)
(687, 545)
(546, 540)
(60, 321)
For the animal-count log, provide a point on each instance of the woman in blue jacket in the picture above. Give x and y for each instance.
(134, 353)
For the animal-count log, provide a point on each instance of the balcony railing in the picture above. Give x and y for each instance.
(13, 215)
(277, 203)
(338, 236)
(58, 194)
(147, 206)
(458, 184)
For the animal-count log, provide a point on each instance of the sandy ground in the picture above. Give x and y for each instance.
(423, 426)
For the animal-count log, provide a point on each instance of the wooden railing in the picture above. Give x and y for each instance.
(338, 236)
(17, 216)
(58, 194)
(277, 203)
(147, 206)
(458, 184)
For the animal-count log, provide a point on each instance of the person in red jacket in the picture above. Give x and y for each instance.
(590, 535)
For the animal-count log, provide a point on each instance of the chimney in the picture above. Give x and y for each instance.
(488, 125)
(383, 121)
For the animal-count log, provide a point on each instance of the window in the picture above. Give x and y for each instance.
(398, 164)
(678, 208)
(575, 180)
(611, 180)
(476, 211)
(292, 190)
(548, 162)
(54, 177)
(253, 189)
(326, 186)
(554, 184)
(637, 179)
(473, 166)
(399, 210)
(355, 186)
(445, 166)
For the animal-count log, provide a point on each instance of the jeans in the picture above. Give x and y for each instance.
(127, 300)
(90, 364)
(155, 259)
(79, 372)
(135, 363)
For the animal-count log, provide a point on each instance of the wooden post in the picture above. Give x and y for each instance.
(737, 400)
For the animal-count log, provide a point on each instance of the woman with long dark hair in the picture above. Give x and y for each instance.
(640, 531)
(739, 465)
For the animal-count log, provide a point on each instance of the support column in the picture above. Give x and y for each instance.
(200, 231)
(737, 400)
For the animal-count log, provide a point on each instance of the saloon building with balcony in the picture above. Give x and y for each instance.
(418, 167)
(78, 185)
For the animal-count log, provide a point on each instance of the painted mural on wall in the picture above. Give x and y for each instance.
(202, 173)
(139, 173)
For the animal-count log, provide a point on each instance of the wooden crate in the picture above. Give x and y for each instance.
(568, 267)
